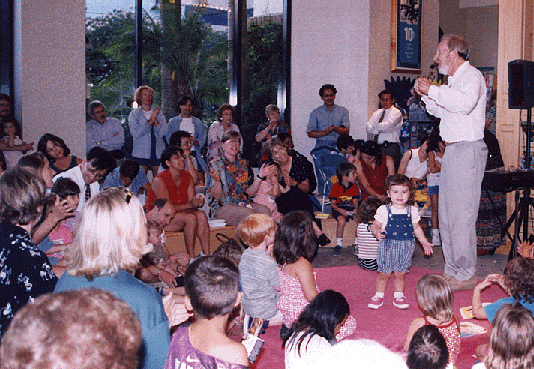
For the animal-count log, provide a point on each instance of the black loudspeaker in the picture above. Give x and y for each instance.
(520, 84)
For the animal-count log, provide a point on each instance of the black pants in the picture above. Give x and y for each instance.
(392, 149)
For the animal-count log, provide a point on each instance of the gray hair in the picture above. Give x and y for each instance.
(22, 194)
(93, 105)
(457, 43)
(271, 108)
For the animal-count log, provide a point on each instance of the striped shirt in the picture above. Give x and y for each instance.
(367, 243)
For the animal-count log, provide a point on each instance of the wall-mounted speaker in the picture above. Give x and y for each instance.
(520, 84)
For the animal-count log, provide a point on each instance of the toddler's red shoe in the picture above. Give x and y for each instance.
(376, 302)
(400, 302)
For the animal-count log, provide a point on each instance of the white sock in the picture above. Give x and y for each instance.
(397, 294)
(380, 294)
(435, 231)
(355, 241)
(339, 241)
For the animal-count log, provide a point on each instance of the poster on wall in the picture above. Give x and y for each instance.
(406, 27)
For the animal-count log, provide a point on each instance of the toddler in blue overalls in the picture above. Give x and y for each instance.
(395, 225)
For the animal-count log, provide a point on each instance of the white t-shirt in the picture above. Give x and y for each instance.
(148, 114)
(382, 214)
(187, 125)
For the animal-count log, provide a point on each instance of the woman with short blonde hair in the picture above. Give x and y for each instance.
(148, 127)
(111, 237)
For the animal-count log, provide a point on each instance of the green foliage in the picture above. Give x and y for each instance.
(110, 58)
(265, 67)
(197, 55)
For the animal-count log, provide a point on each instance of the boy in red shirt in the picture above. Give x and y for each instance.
(344, 197)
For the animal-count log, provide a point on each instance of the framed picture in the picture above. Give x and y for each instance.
(406, 29)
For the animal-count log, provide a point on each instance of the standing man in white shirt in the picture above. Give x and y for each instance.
(461, 105)
(103, 131)
(385, 124)
(187, 122)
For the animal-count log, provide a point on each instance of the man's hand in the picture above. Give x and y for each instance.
(329, 130)
(422, 86)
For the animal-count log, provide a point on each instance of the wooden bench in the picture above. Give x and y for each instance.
(330, 227)
(176, 243)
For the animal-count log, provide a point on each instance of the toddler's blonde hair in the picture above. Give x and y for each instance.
(435, 298)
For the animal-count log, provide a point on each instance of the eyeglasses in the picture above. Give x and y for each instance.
(385, 99)
(95, 172)
(234, 141)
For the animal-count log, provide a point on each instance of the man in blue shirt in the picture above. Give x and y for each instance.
(328, 121)
(104, 131)
(128, 175)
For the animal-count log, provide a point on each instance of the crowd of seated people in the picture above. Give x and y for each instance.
(92, 230)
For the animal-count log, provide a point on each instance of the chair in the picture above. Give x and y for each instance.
(326, 166)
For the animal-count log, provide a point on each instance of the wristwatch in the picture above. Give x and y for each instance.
(262, 178)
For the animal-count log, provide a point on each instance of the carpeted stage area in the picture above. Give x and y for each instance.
(387, 325)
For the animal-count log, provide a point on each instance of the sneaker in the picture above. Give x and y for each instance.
(400, 302)
(337, 251)
(436, 239)
(355, 249)
(323, 240)
(376, 302)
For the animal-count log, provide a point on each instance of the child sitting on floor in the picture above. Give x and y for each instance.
(211, 284)
(366, 245)
(395, 225)
(511, 340)
(436, 301)
(428, 349)
(312, 335)
(344, 197)
(294, 246)
(257, 269)
(158, 265)
(517, 282)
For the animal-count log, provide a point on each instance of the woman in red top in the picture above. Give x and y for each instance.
(175, 184)
(373, 168)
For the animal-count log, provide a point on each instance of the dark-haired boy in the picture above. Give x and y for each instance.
(211, 284)
(344, 197)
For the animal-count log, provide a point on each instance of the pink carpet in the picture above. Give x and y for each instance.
(388, 325)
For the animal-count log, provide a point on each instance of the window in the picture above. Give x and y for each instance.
(185, 51)
(6, 47)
